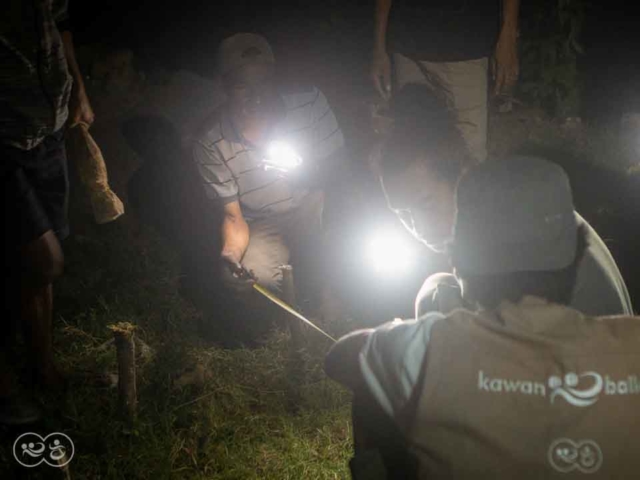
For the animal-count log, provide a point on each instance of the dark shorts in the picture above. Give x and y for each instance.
(35, 188)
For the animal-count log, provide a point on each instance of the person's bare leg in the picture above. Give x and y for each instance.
(37, 308)
(10, 317)
(43, 261)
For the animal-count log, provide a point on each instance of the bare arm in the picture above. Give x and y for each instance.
(510, 13)
(506, 64)
(235, 233)
(381, 66)
(79, 106)
(383, 7)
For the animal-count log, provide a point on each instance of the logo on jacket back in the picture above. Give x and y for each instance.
(579, 390)
(566, 455)
(570, 391)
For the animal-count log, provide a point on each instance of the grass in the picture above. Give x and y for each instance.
(204, 412)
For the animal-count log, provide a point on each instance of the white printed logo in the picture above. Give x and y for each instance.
(573, 395)
(578, 390)
(566, 456)
(56, 449)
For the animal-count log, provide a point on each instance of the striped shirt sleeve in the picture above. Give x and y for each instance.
(218, 179)
(326, 137)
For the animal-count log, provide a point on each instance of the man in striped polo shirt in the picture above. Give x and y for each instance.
(263, 157)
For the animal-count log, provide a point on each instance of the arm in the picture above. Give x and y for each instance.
(510, 13)
(235, 233)
(79, 107)
(381, 67)
(220, 187)
(385, 362)
(440, 293)
(506, 67)
(341, 363)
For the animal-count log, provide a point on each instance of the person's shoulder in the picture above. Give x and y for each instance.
(210, 131)
(462, 321)
(407, 331)
(621, 331)
(632, 321)
(401, 342)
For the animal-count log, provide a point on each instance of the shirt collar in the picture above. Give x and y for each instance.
(231, 133)
(228, 129)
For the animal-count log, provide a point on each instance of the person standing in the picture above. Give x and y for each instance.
(41, 91)
(448, 45)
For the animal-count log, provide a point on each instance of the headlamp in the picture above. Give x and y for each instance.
(281, 156)
(390, 253)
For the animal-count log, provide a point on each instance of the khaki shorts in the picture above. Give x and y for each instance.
(293, 237)
(465, 85)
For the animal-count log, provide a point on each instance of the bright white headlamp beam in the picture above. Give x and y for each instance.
(390, 253)
(282, 156)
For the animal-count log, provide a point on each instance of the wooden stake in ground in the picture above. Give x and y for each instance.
(289, 296)
(123, 334)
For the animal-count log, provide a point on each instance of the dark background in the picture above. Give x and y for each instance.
(328, 44)
(184, 34)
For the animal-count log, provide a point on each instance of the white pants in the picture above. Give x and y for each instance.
(465, 85)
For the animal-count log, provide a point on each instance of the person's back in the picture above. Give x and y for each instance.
(522, 385)
(534, 384)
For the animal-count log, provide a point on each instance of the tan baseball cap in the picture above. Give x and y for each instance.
(243, 49)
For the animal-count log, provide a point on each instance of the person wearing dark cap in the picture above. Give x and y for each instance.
(420, 164)
(265, 157)
(522, 385)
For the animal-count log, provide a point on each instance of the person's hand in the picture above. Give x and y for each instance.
(381, 73)
(236, 276)
(241, 273)
(80, 110)
(506, 66)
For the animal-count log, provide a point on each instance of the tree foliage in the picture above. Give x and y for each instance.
(550, 35)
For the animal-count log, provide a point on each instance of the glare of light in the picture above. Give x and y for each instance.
(282, 156)
(390, 253)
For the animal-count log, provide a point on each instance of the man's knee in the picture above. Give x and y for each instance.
(42, 260)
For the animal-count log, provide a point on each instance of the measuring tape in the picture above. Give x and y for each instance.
(290, 309)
